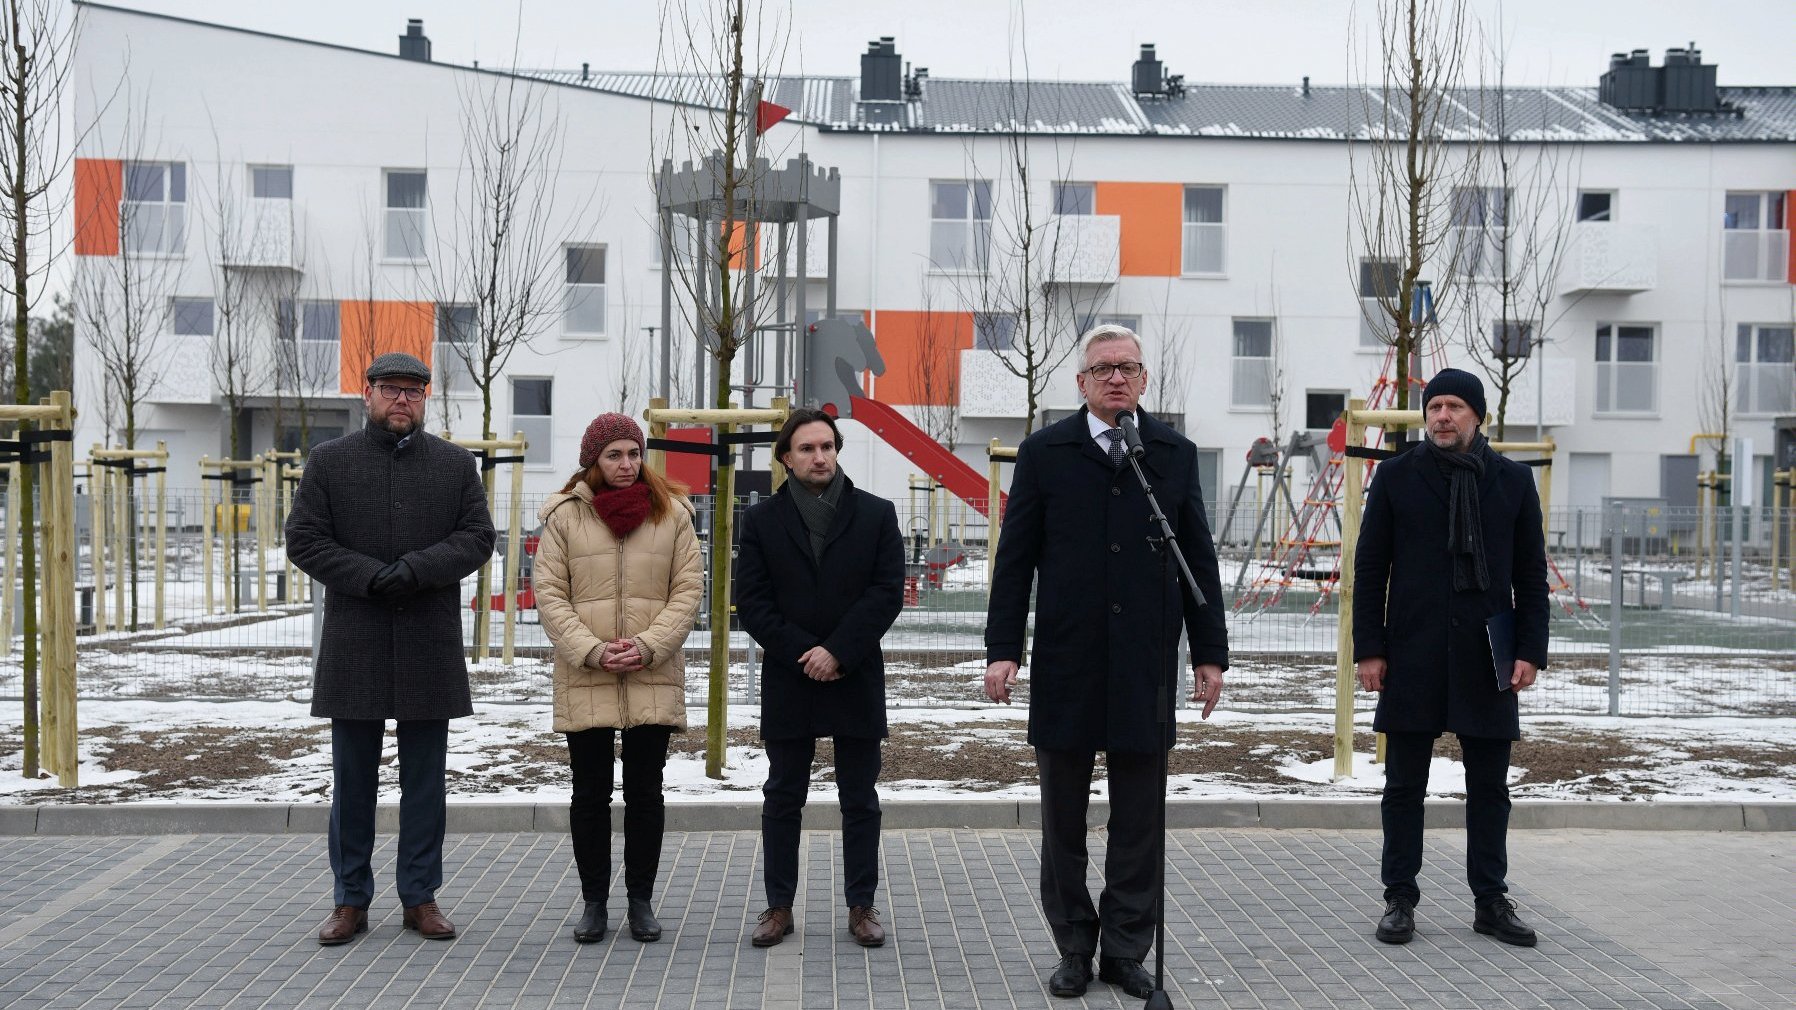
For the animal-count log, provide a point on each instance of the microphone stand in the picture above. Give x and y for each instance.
(1164, 544)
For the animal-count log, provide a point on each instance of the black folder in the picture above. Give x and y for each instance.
(1501, 628)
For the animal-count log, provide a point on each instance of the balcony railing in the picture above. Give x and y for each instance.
(1612, 256)
(1755, 255)
(1083, 248)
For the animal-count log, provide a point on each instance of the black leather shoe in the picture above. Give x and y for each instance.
(592, 923)
(1399, 922)
(643, 926)
(1127, 973)
(1496, 917)
(1071, 976)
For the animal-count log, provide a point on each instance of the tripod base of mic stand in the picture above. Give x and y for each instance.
(1159, 1000)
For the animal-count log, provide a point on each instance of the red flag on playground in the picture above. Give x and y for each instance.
(769, 114)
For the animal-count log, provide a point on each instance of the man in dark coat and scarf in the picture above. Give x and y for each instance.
(389, 520)
(819, 579)
(1108, 612)
(1449, 622)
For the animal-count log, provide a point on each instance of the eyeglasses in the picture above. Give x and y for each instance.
(412, 393)
(1104, 370)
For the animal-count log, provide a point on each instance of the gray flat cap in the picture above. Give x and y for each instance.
(398, 363)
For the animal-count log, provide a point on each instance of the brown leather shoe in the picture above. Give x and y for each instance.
(774, 925)
(429, 921)
(344, 923)
(863, 925)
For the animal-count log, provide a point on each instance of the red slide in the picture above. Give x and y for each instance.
(899, 432)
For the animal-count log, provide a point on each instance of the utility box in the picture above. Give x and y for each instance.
(1643, 524)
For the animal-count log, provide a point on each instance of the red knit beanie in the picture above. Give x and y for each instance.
(606, 429)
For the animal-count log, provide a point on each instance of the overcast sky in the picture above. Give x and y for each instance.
(1241, 41)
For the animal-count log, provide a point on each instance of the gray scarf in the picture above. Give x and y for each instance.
(1465, 518)
(818, 510)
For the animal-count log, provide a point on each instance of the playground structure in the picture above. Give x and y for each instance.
(487, 451)
(113, 473)
(51, 448)
(932, 551)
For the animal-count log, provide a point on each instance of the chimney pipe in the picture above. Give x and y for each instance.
(414, 44)
(585, 71)
(1306, 86)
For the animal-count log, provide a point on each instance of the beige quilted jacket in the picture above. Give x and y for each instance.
(590, 588)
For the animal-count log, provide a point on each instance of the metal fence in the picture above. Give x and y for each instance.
(1654, 612)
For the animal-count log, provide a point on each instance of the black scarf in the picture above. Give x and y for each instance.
(1465, 518)
(818, 510)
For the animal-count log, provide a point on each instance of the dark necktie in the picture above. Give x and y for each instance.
(1116, 447)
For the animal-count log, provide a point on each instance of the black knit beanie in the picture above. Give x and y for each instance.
(1455, 382)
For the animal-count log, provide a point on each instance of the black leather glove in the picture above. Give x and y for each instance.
(397, 579)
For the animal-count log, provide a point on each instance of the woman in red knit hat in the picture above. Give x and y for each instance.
(618, 579)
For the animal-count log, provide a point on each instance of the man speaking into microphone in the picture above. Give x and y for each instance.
(1108, 614)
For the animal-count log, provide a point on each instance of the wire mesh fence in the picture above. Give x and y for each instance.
(1655, 611)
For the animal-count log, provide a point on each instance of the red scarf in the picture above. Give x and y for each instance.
(622, 508)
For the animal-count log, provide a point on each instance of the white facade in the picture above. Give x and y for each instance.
(221, 101)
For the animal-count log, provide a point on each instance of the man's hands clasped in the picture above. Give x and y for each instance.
(1206, 686)
(396, 579)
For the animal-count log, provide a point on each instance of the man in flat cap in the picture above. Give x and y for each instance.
(389, 520)
(1449, 622)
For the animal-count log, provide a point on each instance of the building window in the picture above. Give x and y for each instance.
(190, 317)
(583, 310)
(406, 215)
(271, 182)
(1075, 198)
(960, 225)
(1130, 323)
(530, 403)
(1205, 237)
(993, 332)
(1754, 244)
(1322, 406)
(1479, 221)
(1511, 339)
(1596, 205)
(1379, 282)
(153, 215)
(458, 330)
(320, 343)
(1765, 369)
(1252, 385)
(1626, 372)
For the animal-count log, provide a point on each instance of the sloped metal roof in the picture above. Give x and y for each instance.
(1281, 112)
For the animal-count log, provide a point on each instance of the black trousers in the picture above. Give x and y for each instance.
(591, 757)
(1124, 913)
(355, 772)
(1407, 756)
(782, 815)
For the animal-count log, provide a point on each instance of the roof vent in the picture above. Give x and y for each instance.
(881, 72)
(913, 84)
(414, 44)
(1683, 85)
(1150, 79)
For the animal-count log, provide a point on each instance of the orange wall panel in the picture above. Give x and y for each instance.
(371, 329)
(904, 337)
(1153, 214)
(98, 185)
(1789, 219)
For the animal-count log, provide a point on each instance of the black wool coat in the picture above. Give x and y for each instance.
(365, 501)
(1106, 625)
(789, 602)
(1439, 677)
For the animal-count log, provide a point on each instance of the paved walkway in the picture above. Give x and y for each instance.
(1258, 918)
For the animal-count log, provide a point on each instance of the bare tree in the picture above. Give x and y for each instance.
(1403, 168)
(717, 52)
(1514, 225)
(1170, 368)
(39, 42)
(629, 375)
(935, 372)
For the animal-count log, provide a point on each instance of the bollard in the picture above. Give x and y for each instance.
(1615, 590)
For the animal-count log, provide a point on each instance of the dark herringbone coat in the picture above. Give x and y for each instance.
(789, 602)
(365, 501)
(1438, 673)
(1106, 618)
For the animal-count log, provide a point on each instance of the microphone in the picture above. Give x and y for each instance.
(1125, 420)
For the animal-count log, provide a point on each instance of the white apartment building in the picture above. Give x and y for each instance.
(1215, 219)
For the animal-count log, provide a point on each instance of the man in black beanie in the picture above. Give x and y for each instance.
(1449, 622)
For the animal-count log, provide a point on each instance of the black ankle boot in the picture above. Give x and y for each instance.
(643, 926)
(592, 923)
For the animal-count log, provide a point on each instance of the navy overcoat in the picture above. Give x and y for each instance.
(1439, 676)
(789, 602)
(1076, 529)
